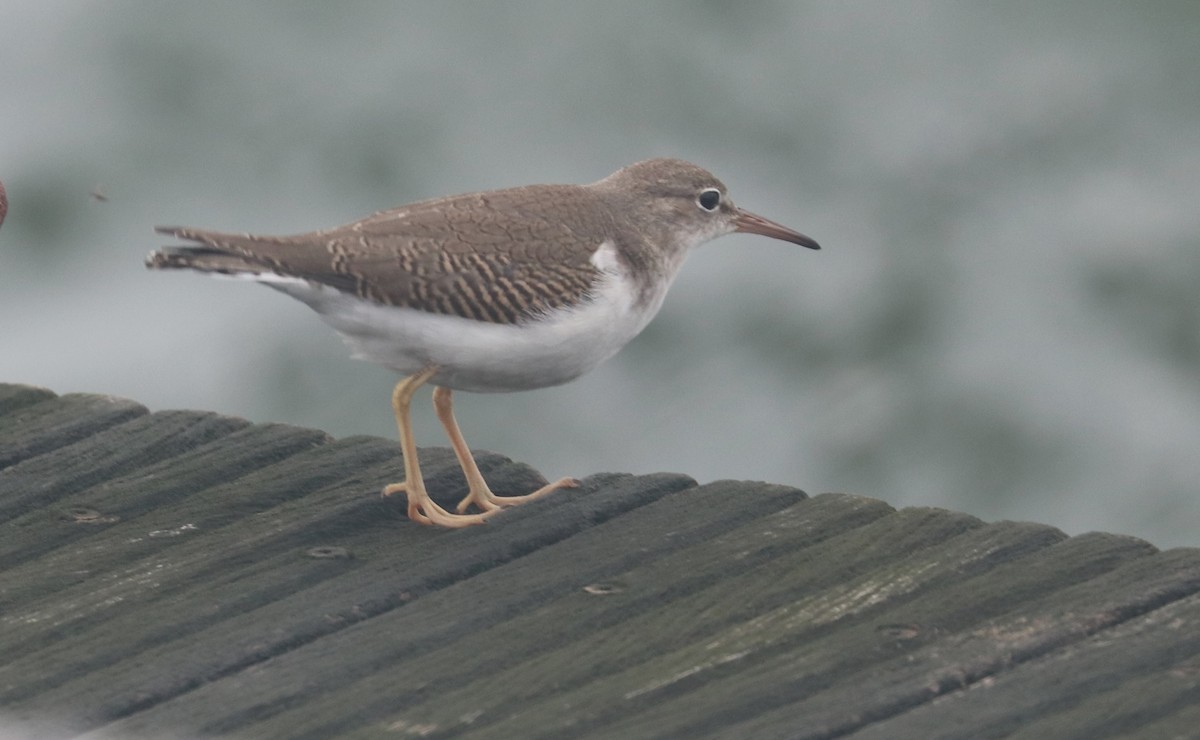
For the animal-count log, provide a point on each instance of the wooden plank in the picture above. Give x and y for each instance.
(118, 450)
(37, 428)
(183, 572)
(755, 622)
(579, 636)
(121, 572)
(1179, 721)
(1105, 657)
(192, 651)
(13, 397)
(234, 532)
(505, 595)
(79, 517)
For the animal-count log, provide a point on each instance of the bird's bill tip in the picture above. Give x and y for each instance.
(752, 223)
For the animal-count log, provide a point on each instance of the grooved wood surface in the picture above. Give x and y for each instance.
(184, 574)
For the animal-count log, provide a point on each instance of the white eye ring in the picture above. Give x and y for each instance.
(709, 199)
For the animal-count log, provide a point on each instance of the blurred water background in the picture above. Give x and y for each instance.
(1005, 318)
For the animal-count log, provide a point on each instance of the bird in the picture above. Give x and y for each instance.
(494, 291)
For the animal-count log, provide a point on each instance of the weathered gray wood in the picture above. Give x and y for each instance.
(929, 659)
(36, 428)
(420, 562)
(582, 633)
(746, 624)
(216, 536)
(117, 450)
(1089, 661)
(84, 517)
(13, 397)
(506, 593)
(182, 573)
(164, 566)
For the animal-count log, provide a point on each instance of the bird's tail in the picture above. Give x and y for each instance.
(214, 253)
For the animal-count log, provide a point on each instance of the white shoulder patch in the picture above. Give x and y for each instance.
(605, 258)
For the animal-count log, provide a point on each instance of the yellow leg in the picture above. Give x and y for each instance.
(478, 491)
(421, 508)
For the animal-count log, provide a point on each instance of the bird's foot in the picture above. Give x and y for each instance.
(483, 498)
(423, 510)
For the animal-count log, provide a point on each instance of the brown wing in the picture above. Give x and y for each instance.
(500, 256)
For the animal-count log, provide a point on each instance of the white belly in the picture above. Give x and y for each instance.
(480, 356)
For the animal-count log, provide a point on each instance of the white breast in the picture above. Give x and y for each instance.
(485, 357)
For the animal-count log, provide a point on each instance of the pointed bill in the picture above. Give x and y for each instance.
(751, 223)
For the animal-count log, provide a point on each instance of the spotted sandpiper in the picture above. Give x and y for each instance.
(504, 290)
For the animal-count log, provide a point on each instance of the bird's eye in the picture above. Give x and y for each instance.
(709, 199)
